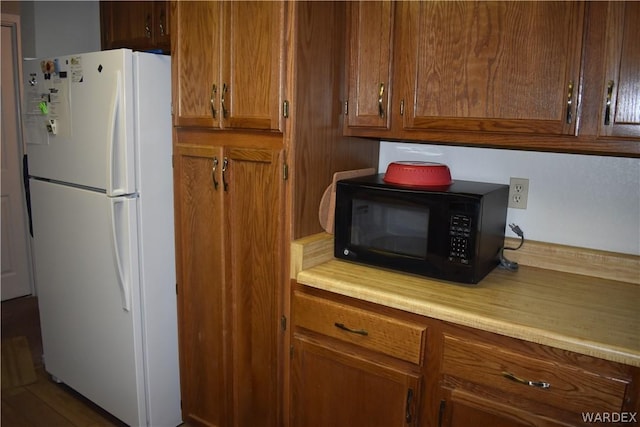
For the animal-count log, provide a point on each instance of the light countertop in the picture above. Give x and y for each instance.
(588, 315)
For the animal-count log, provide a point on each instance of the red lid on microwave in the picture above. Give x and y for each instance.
(425, 174)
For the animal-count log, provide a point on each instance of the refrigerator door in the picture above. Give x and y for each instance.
(88, 294)
(78, 120)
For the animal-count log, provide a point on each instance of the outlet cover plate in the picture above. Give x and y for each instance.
(518, 193)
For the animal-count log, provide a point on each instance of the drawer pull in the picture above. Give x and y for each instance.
(538, 384)
(362, 332)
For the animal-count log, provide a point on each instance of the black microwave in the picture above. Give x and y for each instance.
(454, 232)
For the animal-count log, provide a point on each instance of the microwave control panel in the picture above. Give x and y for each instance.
(459, 238)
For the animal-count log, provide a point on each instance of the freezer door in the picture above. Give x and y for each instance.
(78, 120)
(88, 295)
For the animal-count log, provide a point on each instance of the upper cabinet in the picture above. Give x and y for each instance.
(621, 96)
(490, 66)
(370, 49)
(138, 25)
(228, 64)
(551, 76)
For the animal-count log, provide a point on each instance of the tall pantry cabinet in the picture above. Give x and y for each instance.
(257, 95)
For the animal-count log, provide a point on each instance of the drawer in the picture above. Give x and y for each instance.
(568, 387)
(393, 337)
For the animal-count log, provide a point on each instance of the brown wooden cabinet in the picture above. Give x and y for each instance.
(490, 66)
(370, 53)
(621, 94)
(228, 67)
(138, 25)
(342, 370)
(514, 383)
(201, 254)
(335, 387)
(528, 75)
(357, 363)
(228, 207)
(235, 218)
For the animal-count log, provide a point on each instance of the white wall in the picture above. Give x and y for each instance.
(54, 28)
(575, 200)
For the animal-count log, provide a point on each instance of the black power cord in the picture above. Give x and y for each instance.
(504, 262)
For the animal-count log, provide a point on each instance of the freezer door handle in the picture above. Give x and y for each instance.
(120, 220)
(116, 155)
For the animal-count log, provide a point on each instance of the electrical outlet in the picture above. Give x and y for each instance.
(518, 193)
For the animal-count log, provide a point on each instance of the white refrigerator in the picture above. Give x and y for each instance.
(98, 133)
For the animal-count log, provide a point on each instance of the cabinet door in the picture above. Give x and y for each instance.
(621, 106)
(161, 26)
(253, 40)
(342, 388)
(464, 409)
(254, 210)
(490, 66)
(195, 48)
(370, 39)
(126, 24)
(199, 241)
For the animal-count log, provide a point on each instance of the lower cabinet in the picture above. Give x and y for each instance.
(508, 382)
(360, 364)
(339, 387)
(229, 204)
(463, 409)
(198, 211)
(347, 367)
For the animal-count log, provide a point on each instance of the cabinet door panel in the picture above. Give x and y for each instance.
(621, 116)
(491, 66)
(254, 217)
(198, 209)
(463, 409)
(370, 58)
(253, 40)
(337, 388)
(196, 29)
(127, 24)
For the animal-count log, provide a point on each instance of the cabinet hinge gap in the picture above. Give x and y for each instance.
(283, 323)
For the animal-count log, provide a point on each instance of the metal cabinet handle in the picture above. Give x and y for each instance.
(213, 173)
(569, 103)
(607, 110)
(362, 332)
(212, 100)
(147, 27)
(538, 384)
(443, 405)
(408, 416)
(161, 25)
(225, 166)
(225, 113)
(380, 96)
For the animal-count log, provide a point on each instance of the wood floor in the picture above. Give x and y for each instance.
(43, 402)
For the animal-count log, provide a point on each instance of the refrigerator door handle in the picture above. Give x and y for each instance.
(119, 227)
(115, 151)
